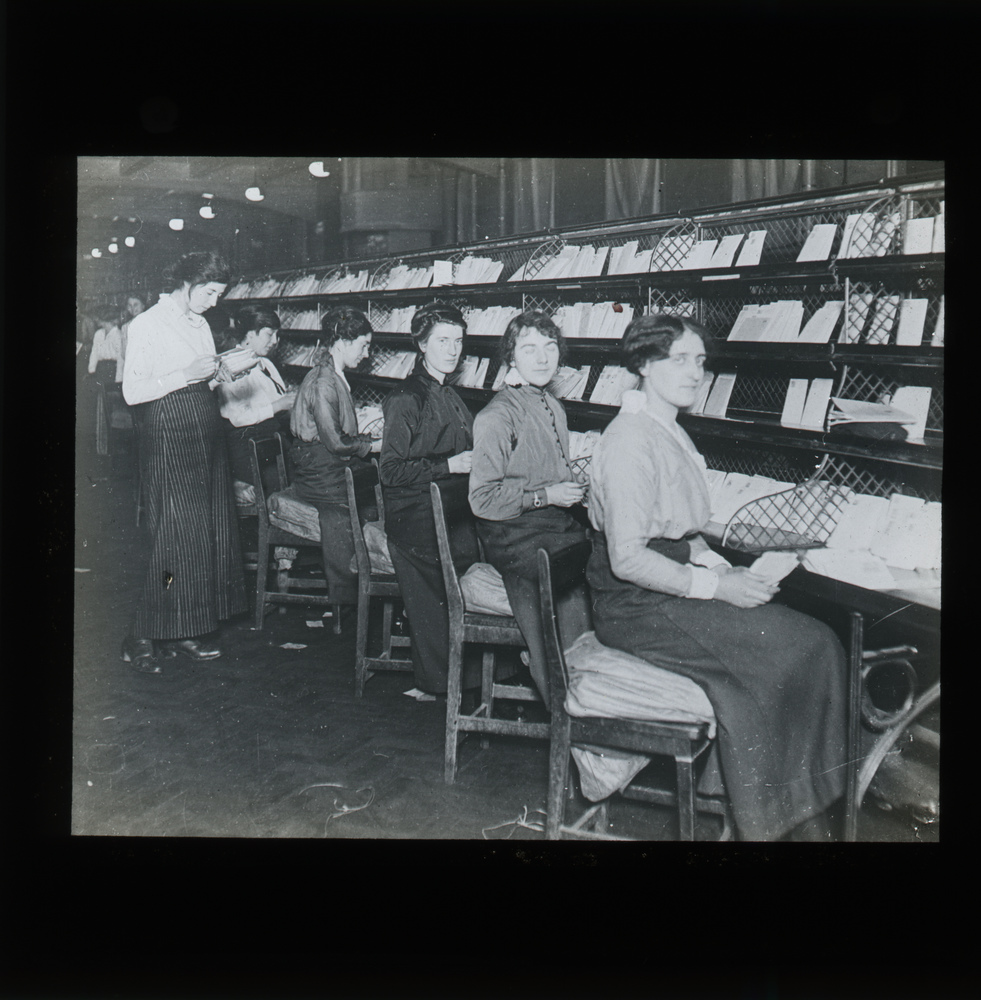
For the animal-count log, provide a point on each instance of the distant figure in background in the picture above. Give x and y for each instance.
(258, 404)
(325, 428)
(428, 438)
(522, 483)
(194, 577)
(135, 304)
(106, 363)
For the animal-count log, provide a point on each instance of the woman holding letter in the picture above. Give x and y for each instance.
(194, 576)
(776, 678)
(522, 483)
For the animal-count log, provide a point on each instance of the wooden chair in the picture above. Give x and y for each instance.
(270, 479)
(684, 742)
(489, 630)
(373, 582)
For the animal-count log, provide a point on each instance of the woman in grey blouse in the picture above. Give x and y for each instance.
(522, 484)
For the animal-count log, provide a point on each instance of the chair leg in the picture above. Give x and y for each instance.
(686, 799)
(558, 779)
(336, 609)
(454, 682)
(487, 690)
(360, 671)
(387, 617)
(261, 573)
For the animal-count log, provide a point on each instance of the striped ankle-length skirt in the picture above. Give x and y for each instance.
(194, 573)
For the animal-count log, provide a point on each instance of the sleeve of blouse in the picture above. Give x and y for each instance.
(403, 411)
(494, 494)
(325, 407)
(140, 380)
(243, 403)
(629, 523)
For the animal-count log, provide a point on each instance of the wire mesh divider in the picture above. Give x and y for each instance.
(799, 518)
(879, 386)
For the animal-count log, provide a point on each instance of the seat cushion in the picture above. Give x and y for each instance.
(612, 684)
(483, 590)
(376, 541)
(244, 497)
(290, 514)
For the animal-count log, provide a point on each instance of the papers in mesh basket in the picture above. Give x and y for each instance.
(852, 411)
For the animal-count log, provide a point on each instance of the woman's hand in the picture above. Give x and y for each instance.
(285, 402)
(741, 588)
(200, 368)
(564, 494)
(376, 445)
(461, 462)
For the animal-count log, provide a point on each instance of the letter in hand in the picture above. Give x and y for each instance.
(461, 462)
(565, 494)
(201, 368)
(739, 587)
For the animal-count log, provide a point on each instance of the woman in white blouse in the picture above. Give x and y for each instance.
(775, 677)
(194, 576)
(257, 404)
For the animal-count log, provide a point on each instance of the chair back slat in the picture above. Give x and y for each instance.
(558, 573)
(265, 453)
(454, 594)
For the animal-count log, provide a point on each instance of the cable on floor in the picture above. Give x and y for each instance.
(342, 808)
(521, 821)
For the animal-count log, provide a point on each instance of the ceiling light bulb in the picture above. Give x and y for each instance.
(317, 169)
(130, 241)
(176, 224)
(113, 248)
(206, 212)
(254, 194)
(96, 252)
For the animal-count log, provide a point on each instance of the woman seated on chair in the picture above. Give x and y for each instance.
(428, 438)
(258, 404)
(776, 678)
(327, 441)
(522, 483)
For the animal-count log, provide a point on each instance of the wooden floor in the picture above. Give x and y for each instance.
(268, 742)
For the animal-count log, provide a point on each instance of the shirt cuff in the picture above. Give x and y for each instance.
(710, 559)
(703, 583)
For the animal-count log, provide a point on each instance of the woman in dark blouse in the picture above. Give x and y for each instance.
(522, 484)
(428, 438)
(325, 429)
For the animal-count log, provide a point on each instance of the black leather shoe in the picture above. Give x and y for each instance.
(140, 655)
(194, 649)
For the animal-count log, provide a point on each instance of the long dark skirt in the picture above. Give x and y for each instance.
(512, 548)
(237, 439)
(194, 576)
(776, 679)
(318, 479)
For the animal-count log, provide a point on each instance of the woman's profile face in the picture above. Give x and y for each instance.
(676, 378)
(263, 341)
(200, 298)
(442, 348)
(536, 357)
(352, 352)
(134, 306)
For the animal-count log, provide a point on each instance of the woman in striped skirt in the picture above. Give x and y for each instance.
(194, 576)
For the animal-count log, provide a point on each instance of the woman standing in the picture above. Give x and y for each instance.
(325, 427)
(257, 404)
(522, 483)
(194, 578)
(776, 678)
(428, 438)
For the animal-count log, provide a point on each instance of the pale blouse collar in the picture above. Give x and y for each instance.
(635, 401)
(194, 319)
